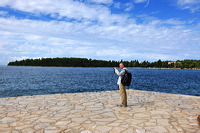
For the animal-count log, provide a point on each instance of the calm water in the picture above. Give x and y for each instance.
(20, 81)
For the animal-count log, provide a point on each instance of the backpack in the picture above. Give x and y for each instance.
(126, 78)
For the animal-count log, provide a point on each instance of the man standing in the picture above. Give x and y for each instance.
(122, 88)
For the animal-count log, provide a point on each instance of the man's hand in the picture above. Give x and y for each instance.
(114, 68)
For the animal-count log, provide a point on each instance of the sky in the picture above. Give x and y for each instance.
(100, 29)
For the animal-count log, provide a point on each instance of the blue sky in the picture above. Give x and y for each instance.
(100, 29)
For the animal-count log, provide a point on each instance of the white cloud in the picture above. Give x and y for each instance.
(67, 9)
(125, 6)
(110, 52)
(52, 39)
(192, 5)
(6, 60)
(147, 4)
(102, 1)
(129, 6)
(111, 37)
(182, 2)
(64, 8)
(174, 22)
(143, 1)
(140, 1)
(117, 5)
(168, 22)
(3, 13)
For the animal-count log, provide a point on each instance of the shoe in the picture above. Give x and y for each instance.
(124, 106)
(121, 105)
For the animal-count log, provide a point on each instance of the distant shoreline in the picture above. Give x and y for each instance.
(106, 67)
(84, 62)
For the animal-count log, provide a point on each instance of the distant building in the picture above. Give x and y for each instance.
(171, 62)
(175, 63)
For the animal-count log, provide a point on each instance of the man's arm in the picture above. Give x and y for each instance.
(120, 73)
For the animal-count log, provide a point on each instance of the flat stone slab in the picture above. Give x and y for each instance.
(97, 112)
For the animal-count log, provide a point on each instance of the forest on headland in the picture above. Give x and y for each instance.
(84, 62)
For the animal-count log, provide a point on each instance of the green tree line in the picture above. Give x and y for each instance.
(84, 62)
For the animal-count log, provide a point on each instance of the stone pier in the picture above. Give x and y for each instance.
(97, 112)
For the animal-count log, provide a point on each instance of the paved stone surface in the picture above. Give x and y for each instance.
(96, 112)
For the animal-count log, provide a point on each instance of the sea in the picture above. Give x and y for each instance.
(28, 81)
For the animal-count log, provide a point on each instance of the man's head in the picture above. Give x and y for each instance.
(121, 65)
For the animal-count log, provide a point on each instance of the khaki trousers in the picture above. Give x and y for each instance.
(122, 90)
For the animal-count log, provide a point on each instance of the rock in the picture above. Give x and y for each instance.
(86, 131)
(79, 120)
(52, 131)
(5, 129)
(41, 126)
(158, 129)
(62, 123)
(11, 114)
(141, 115)
(22, 127)
(163, 121)
(117, 130)
(28, 130)
(8, 120)
(46, 120)
(103, 129)
(140, 130)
